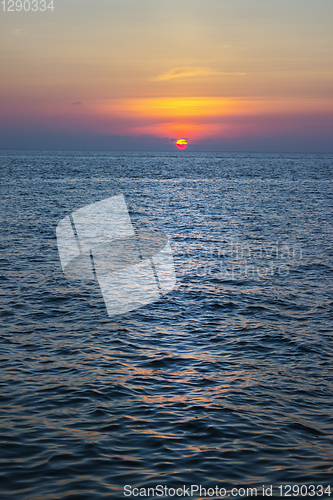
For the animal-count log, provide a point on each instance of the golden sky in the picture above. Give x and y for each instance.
(209, 71)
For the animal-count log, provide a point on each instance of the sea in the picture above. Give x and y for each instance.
(221, 388)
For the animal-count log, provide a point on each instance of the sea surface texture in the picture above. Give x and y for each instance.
(225, 381)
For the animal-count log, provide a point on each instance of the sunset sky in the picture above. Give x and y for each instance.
(229, 75)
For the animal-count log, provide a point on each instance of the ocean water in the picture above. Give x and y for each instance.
(226, 381)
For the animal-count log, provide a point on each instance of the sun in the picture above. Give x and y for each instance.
(181, 144)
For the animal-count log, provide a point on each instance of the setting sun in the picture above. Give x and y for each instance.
(181, 144)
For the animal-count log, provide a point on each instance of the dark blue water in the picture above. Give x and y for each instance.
(227, 380)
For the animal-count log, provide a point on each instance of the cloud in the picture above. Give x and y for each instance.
(76, 103)
(190, 71)
(19, 32)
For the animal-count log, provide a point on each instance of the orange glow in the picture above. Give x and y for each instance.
(169, 107)
(197, 107)
(196, 118)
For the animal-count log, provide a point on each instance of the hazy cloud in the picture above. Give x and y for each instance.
(76, 103)
(19, 31)
(190, 71)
